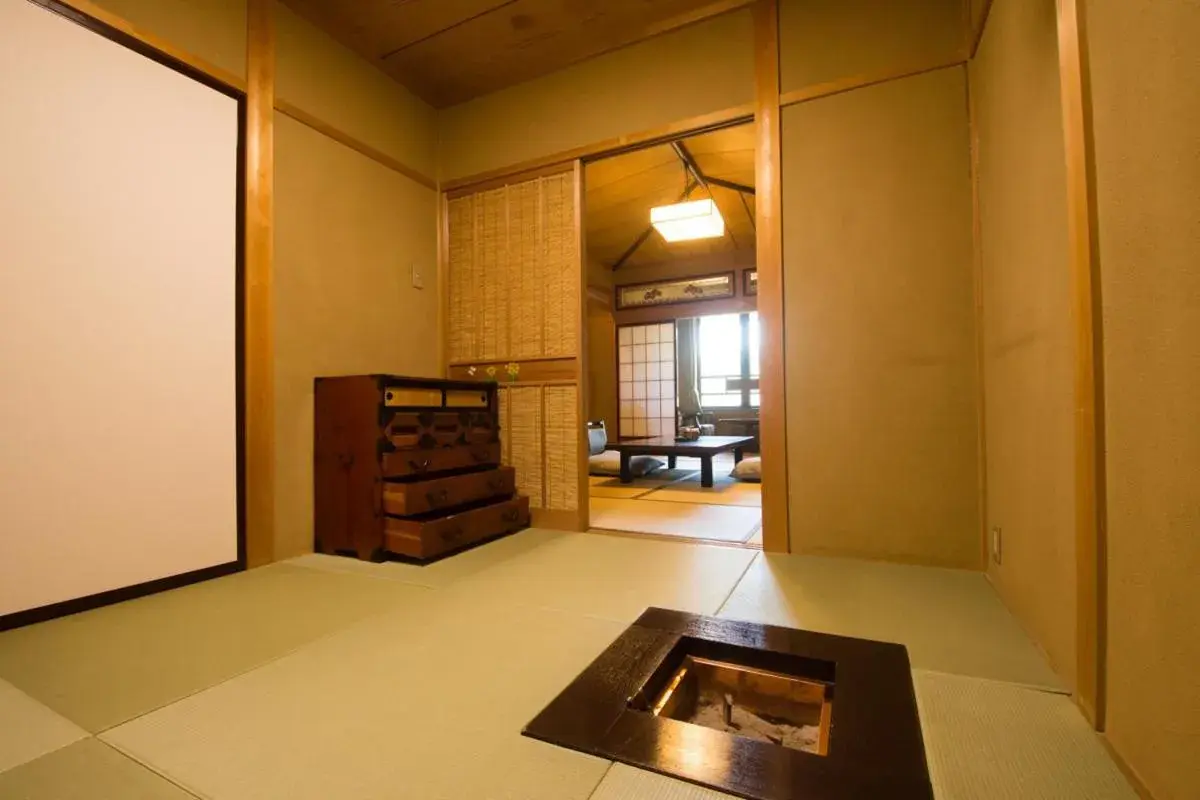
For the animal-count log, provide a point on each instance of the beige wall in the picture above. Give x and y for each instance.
(215, 30)
(827, 40)
(879, 323)
(602, 365)
(346, 229)
(328, 81)
(697, 70)
(1145, 67)
(1028, 344)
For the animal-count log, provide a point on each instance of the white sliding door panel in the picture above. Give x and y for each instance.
(118, 254)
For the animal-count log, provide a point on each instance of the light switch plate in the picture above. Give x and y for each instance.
(418, 280)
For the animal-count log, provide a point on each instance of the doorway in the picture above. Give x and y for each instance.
(673, 340)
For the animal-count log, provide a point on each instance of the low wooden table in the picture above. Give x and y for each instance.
(703, 448)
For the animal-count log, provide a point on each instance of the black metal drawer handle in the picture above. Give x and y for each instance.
(418, 466)
(480, 455)
(511, 515)
(497, 484)
(437, 497)
(451, 533)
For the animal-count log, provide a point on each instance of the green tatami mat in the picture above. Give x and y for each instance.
(29, 730)
(104, 667)
(87, 770)
(951, 620)
(422, 704)
(988, 740)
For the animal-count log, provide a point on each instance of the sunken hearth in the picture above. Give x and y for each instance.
(758, 711)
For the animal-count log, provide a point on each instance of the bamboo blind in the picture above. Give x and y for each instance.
(514, 282)
(539, 435)
(461, 278)
(525, 442)
(562, 447)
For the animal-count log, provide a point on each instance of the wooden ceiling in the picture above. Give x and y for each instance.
(622, 190)
(448, 51)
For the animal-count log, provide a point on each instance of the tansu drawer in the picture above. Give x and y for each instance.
(417, 430)
(429, 538)
(417, 463)
(409, 499)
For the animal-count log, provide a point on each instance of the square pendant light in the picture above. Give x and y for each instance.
(682, 222)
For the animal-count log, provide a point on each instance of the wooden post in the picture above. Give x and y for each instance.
(769, 211)
(259, 344)
(1090, 504)
(583, 520)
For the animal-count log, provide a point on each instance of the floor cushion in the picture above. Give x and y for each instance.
(749, 470)
(609, 463)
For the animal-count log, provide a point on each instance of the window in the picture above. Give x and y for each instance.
(729, 345)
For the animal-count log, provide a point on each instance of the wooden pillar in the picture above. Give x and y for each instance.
(259, 347)
(1090, 502)
(769, 220)
(583, 514)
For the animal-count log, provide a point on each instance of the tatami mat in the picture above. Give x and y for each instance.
(994, 741)
(439, 573)
(28, 729)
(725, 491)
(950, 620)
(87, 770)
(425, 703)
(985, 740)
(611, 487)
(106, 666)
(688, 520)
(614, 577)
(627, 783)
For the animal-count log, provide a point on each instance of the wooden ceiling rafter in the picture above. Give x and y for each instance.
(697, 178)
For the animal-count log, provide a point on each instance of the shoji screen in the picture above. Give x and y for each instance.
(118, 315)
(646, 379)
(515, 298)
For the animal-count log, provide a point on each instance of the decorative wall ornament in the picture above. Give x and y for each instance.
(750, 283)
(678, 290)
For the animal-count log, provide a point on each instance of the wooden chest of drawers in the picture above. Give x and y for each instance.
(409, 466)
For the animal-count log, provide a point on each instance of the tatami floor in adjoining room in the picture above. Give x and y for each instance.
(326, 677)
(673, 504)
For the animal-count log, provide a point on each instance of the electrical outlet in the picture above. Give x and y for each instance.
(997, 535)
(418, 280)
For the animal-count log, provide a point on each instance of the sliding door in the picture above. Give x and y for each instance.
(118, 316)
(515, 300)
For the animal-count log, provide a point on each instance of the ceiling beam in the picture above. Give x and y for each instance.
(644, 235)
(689, 161)
(749, 214)
(724, 184)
